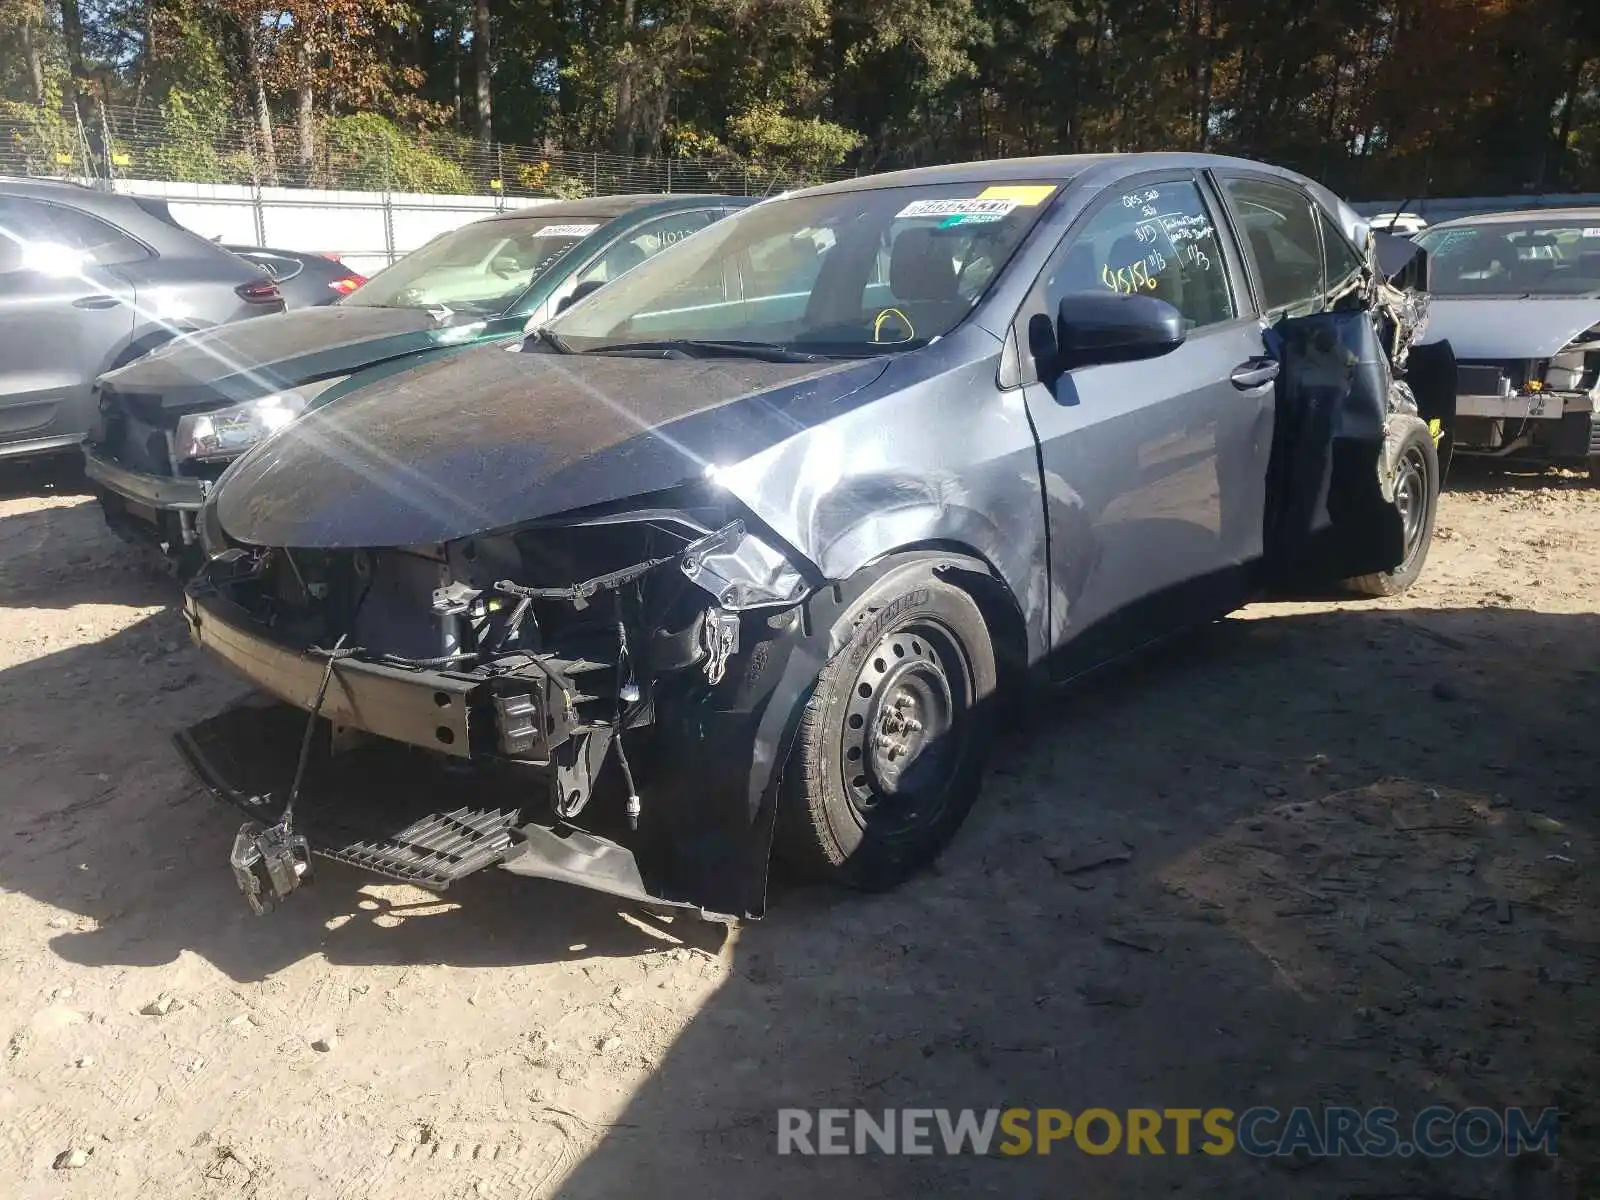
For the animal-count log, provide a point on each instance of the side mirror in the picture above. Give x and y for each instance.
(579, 292)
(1108, 327)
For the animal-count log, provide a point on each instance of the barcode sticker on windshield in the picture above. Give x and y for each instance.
(956, 208)
(1592, 232)
(567, 230)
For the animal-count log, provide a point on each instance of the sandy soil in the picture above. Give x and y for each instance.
(1352, 849)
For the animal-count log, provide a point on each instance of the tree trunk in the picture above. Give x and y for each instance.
(1557, 169)
(622, 128)
(258, 97)
(30, 51)
(72, 33)
(305, 112)
(142, 70)
(269, 148)
(483, 69)
(455, 67)
(1194, 70)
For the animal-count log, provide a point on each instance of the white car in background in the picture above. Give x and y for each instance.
(1402, 223)
(1517, 296)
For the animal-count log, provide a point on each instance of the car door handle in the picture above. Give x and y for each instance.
(99, 300)
(1253, 373)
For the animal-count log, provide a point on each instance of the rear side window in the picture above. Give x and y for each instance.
(1340, 260)
(1279, 228)
(103, 244)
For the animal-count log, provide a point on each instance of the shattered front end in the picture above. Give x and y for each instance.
(584, 699)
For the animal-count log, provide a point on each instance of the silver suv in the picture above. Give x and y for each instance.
(90, 281)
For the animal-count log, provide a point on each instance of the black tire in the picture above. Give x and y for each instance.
(1416, 484)
(852, 809)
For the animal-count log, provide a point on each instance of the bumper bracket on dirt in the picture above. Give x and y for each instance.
(380, 816)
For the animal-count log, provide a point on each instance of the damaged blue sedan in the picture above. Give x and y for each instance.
(734, 557)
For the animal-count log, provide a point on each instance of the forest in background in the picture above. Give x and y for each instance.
(1384, 98)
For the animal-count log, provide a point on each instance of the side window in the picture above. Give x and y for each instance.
(1154, 240)
(20, 227)
(1340, 260)
(646, 242)
(101, 243)
(1278, 225)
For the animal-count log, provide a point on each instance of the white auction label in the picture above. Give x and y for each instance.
(567, 230)
(956, 208)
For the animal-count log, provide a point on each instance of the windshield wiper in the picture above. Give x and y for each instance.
(695, 348)
(553, 339)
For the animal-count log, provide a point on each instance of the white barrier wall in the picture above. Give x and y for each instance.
(366, 230)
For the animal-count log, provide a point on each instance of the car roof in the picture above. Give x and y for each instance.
(1521, 214)
(1050, 166)
(65, 191)
(610, 207)
(145, 217)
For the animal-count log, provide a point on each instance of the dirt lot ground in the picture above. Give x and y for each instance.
(1359, 847)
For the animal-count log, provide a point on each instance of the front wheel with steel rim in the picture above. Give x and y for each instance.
(891, 745)
(1416, 499)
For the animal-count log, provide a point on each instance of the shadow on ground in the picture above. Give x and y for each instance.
(51, 475)
(988, 982)
(995, 982)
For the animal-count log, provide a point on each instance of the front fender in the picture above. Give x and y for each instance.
(731, 748)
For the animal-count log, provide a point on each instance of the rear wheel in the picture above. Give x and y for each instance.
(891, 746)
(1416, 500)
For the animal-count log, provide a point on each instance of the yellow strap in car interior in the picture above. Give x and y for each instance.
(877, 325)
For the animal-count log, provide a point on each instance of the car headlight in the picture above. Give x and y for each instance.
(228, 432)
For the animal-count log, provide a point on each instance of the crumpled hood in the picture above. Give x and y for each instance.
(1508, 328)
(246, 359)
(489, 439)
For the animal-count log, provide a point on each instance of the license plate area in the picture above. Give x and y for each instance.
(1542, 406)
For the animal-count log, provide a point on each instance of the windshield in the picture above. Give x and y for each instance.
(480, 268)
(1515, 258)
(855, 272)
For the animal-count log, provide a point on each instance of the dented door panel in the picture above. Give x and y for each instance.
(1330, 485)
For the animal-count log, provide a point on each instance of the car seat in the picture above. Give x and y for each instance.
(922, 279)
(623, 259)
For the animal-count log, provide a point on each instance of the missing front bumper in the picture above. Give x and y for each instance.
(429, 709)
(386, 810)
(400, 814)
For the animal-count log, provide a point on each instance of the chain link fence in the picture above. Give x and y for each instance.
(362, 152)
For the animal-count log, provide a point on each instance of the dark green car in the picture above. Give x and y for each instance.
(170, 422)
